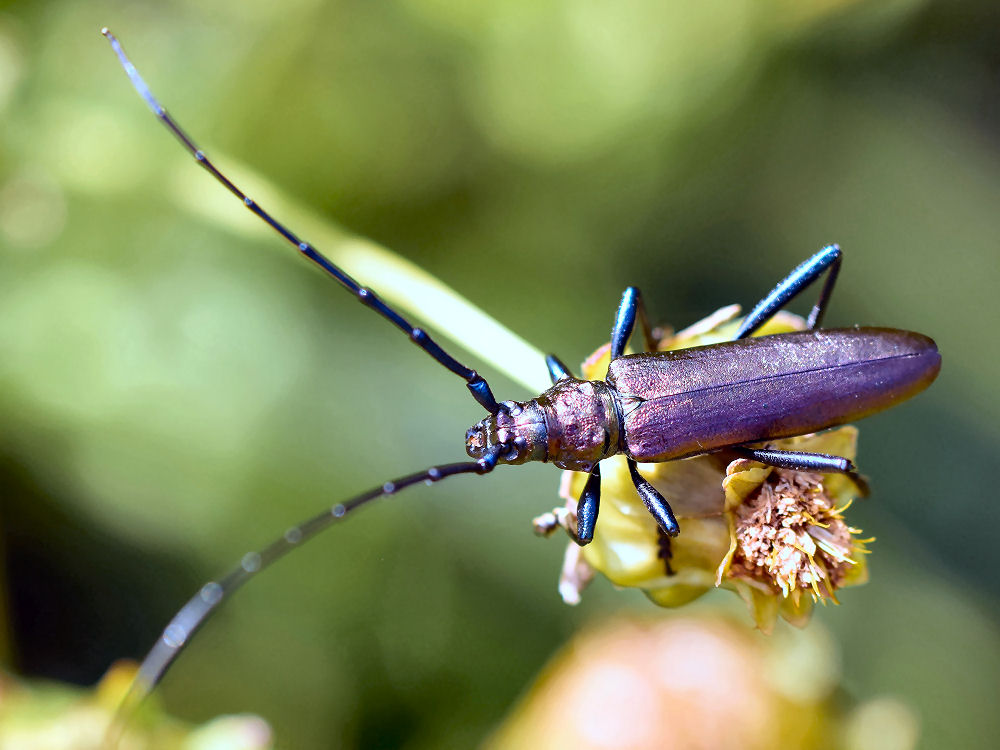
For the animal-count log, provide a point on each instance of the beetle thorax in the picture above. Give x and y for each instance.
(573, 425)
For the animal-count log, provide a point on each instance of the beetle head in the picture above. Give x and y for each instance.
(518, 429)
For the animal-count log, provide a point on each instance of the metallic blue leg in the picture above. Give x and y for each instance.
(557, 370)
(823, 463)
(587, 508)
(798, 461)
(792, 285)
(657, 506)
(630, 307)
(476, 384)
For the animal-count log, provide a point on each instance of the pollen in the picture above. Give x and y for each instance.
(791, 536)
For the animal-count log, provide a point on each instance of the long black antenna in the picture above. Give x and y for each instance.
(477, 385)
(193, 615)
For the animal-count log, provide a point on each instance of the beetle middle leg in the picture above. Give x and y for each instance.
(632, 307)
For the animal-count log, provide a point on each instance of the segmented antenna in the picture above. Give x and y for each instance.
(193, 615)
(476, 384)
(200, 607)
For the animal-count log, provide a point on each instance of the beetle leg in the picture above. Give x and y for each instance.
(630, 307)
(861, 482)
(587, 508)
(798, 461)
(666, 552)
(654, 501)
(792, 285)
(819, 462)
(557, 370)
(582, 530)
(651, 336)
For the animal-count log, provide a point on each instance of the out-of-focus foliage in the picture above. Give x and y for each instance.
(55, 717)
(174, 392)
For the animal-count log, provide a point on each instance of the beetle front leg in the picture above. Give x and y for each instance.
(581, 530)
(793, 285)
(587, 508)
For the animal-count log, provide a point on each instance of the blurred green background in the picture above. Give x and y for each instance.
(174, 393)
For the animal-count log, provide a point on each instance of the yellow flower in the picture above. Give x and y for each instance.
(776, 537)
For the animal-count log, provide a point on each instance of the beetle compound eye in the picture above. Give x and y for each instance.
(476, 441)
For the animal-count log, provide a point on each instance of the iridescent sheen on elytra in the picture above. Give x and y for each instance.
(660, 406)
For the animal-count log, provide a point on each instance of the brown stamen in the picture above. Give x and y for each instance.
(791, 536)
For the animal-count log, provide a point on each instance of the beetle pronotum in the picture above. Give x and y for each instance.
(652, 406)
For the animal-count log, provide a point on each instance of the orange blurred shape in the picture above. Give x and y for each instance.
(685, 682)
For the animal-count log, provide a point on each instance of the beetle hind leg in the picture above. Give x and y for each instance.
(823, 463)
(794, 284)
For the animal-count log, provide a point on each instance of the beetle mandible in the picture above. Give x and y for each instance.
(651, 407)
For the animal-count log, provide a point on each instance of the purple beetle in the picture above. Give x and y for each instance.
(654, 406)
(661, 406)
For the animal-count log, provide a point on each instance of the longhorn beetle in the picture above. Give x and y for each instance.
(653, 406)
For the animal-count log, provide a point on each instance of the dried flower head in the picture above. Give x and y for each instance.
(776, 537)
